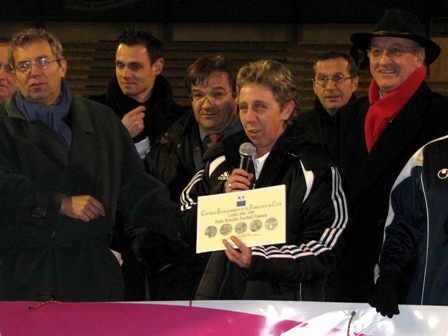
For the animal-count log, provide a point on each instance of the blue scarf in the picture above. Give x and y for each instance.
(51, 115)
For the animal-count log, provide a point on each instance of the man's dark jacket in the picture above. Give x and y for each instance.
(49, 255)
(319, 125)
(175, 160)
(370, 176)
(161, 110)
(178, 155)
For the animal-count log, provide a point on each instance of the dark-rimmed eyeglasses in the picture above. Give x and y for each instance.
(337, 79)
(40, 63)
(392, 51)
(213, 96)
(6, 67)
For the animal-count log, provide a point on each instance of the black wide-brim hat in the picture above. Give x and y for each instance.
(399, 23)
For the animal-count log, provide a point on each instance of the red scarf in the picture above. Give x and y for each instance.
(382, 111)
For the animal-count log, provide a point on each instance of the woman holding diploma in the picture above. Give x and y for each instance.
(316, 210)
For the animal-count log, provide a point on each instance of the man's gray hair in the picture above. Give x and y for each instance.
(33, 35)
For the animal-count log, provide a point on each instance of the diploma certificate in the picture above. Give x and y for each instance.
(256, 217)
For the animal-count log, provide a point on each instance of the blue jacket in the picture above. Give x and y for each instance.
(417, 226)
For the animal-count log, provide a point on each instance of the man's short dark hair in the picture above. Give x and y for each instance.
(352, 67)
(139, 36)
(205, 65)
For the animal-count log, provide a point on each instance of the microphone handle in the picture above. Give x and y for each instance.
(245, 163)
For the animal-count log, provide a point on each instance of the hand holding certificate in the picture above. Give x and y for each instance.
(256, 217)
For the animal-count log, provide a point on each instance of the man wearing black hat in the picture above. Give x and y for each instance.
(376, 136)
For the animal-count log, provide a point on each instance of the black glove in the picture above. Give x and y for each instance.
(384, 298)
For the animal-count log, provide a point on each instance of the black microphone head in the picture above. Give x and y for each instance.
(247, 149)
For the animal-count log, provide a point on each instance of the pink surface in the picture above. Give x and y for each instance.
(130, 319)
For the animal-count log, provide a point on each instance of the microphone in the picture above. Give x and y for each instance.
(247, 152)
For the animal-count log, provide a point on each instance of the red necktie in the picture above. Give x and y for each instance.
(214, 138)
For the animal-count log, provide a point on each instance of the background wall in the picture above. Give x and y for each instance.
(246, 11)
(291, 31)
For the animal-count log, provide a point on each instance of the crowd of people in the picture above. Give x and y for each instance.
(99, 194)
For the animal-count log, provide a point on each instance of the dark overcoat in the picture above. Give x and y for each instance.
(370, 176)
(44, 253)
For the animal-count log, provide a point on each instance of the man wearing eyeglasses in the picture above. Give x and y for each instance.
(376, 137)
(335, 79)
(211, 84)
(66, 165)
(7, 83)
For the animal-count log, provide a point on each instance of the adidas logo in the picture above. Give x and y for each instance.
(224, 176)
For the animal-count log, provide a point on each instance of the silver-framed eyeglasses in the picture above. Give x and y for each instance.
(7, 68)
(40, 63)
(393, 51)
(213, 96)
(337, 79)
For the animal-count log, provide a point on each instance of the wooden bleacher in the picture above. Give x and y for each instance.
(300, 61)
(94, 64)
(91, 65)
